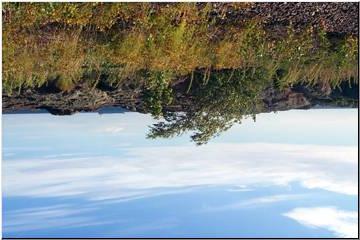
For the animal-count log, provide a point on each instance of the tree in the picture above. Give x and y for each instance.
(226, 99)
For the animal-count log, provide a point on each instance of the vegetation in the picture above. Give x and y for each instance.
(43, 40)
(158, 92)
(67, 44)
(218, 104)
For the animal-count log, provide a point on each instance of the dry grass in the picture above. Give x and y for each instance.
(43, 41)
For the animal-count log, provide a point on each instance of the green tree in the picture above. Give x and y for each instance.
(226, 99)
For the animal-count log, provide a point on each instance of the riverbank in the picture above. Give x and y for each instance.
(164, 57)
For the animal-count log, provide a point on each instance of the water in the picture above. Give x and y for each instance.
(289, 174)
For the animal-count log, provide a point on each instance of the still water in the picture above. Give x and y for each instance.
(289, 174)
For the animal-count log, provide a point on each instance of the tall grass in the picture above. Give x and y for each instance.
(77, 42)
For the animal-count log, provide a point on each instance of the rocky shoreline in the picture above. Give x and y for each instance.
(90, 100)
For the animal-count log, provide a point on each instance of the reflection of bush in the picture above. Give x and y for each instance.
(227, 98)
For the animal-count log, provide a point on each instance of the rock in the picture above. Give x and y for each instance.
(299, 96)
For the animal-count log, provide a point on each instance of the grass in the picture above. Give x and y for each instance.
(69, 40)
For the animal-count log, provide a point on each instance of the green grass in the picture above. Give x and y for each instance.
(69, 40)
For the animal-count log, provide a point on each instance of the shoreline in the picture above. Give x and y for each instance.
(96, 88)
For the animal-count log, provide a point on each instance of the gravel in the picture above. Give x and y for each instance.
(332, 17)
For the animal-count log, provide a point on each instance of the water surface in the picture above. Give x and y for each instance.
(289, 174)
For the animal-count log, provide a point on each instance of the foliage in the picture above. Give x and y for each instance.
(158, 92)
(227, 98)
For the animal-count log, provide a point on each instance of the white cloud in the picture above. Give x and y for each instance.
(239, 189)
(342, 223)
(56, 216)
(149, 171)
(141, 229)
(255, 202)
(113, 130)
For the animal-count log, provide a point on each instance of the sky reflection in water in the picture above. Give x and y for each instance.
(290, 174)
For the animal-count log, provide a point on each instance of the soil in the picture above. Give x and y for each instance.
(332, 17)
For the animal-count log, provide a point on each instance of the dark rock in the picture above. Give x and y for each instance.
(297, 97)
